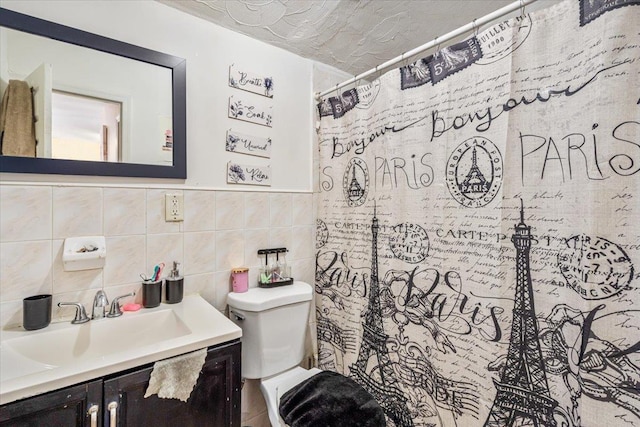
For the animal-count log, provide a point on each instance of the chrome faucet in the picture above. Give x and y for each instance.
(100, 303)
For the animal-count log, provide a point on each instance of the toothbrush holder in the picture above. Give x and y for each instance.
(151, 293)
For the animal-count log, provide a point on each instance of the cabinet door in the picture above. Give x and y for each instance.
(67, 407)
(214, 402)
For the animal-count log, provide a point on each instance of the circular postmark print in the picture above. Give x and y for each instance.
(594, 267)
(503, 38)
(322, 233)
(474, 172)
(355, 182)
(409, 242)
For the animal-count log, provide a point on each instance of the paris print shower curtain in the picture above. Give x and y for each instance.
(478, 232)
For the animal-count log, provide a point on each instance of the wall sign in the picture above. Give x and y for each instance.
(250, 82)
(248, 144)
(248, 174)
(253, 111)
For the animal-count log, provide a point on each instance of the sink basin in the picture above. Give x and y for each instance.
(98, 338)
(62, 354)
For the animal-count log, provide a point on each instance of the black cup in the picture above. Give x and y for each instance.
(151, 293)
(174, 289)
(36, 312)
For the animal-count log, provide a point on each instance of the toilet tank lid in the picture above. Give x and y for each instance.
(260, 299)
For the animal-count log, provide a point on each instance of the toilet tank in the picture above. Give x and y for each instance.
(273, 322)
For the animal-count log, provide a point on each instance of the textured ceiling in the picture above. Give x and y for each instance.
(351, 35)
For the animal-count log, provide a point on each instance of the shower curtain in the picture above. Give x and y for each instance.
(478, 236)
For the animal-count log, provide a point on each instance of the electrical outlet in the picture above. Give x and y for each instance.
(174, 207)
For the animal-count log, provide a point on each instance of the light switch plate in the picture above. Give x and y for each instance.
(174, 207)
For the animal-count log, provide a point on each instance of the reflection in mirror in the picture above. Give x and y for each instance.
(85, 128)
(143, 90)
(101, 106)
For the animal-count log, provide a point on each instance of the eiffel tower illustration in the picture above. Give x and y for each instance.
(475, 181)
(523, 391)
(355, 189)
(380, 381)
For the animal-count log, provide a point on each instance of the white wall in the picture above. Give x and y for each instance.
(224, 225)
(209, 50)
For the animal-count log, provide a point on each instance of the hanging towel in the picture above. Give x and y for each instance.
(175, 378)
(17, 133)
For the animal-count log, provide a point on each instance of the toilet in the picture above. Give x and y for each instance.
(273, 323)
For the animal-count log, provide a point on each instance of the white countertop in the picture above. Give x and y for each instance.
(64, 354)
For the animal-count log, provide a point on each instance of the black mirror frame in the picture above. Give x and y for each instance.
(39, 27)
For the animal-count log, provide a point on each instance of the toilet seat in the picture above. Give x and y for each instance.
(274, 387)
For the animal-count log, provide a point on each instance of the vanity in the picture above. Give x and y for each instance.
(97, 373)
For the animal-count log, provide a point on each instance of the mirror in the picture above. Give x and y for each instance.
(102, 107)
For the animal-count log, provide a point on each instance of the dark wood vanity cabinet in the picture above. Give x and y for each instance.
(67, 407)
(214, 402)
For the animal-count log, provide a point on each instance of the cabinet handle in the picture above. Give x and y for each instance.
(93, 413)
(113, 415)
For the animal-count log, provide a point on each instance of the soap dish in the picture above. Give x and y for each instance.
(131, 307)
(84, 253)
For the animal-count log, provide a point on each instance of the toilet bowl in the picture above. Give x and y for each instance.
(274, 387)
(274, 323)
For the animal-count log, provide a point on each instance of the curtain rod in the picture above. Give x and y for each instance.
(476, 23)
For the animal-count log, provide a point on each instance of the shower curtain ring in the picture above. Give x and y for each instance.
(522, 13)
(337, 90)
(475, 29)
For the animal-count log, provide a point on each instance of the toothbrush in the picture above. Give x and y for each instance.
(159, 273)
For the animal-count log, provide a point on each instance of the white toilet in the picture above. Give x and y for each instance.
(274, 323)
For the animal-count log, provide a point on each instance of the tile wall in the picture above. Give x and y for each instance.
(221, 230)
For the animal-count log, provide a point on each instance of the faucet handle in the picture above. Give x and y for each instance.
(115, 310)
(81, 314)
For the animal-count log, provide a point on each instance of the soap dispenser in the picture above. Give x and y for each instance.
(174, 285)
